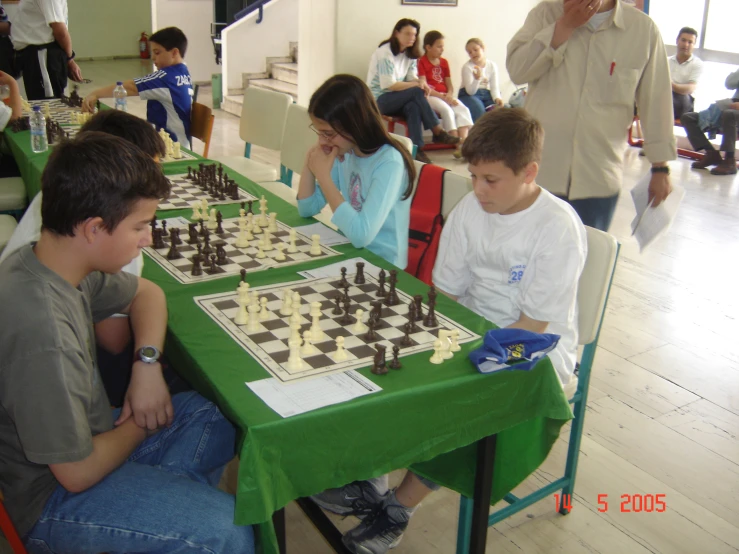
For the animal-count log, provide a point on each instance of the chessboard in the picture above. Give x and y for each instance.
(60, 112)
(235, 259)
(183, 156)
(268, 344)
(185, 193)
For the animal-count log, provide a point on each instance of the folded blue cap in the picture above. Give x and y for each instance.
(512, 349)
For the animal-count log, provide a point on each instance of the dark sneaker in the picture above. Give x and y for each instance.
(445, 138)
(422, 157)
(726, 167)
(379, 531)
(358, 499)
(711, 157)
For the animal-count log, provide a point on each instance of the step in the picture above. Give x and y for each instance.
(287, 72)
(232, 104)
(274, 84)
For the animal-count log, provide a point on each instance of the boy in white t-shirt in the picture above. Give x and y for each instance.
(510, 251)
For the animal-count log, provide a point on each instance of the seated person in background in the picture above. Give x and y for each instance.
(393, 80)
(723, 117)
(113, 334)
(76, 475)
(480, 89)
(358, 169)
(685, 71)
(168, 91)
(433, 70)
(510, 251)
(10, 109)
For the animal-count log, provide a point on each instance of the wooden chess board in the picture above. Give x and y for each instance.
(185, 193)
(268, 345)
(236, 258)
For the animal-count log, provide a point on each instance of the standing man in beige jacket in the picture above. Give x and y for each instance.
(587, 62)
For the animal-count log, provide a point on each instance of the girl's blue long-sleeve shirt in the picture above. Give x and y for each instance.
(373, 214)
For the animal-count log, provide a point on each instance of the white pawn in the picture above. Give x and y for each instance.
(272, 222)
(254, 301)
(243, 291)
(359, 327)
(263, 212)
(264, 312)
(308, 348)
(296, 301)
(315, 249)
(445, 344)
(212, 223)
(260, 254)
(287, 302)
(253, 324)
(436, 358)
(455, 341)
(176, 154)
(340, 354)
(294, 361)
(315, 312)
(196, 212)
(204, 209)
(293, 236)
(248, 231)
(267, 241)
(241, 316)
(280, 257)
(241, 240)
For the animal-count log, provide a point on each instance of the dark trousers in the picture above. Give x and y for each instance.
(44, 70)
(697, 138)
(477, 103)
(595, 212)
(411, 105)
(682, 104)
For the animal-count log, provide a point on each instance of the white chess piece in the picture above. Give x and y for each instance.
(280, 257)
(241, 239)
(212, 223)
(264, 312)
(260, 254)
(295, 332)
(455, 341)
(243, 292)
(176, 154)
(445, 344)
(436, 358)
(315, 248)
(242, 218)
(359, 327)
(263, 212)
(267, 241)
(294, 361)
(293, 236)
(242, 317)
(253, 324)
(272, 222)
(248, 232)
(196, 212)
(204, 209)
(315, 312)
(308, 348)
(287, 302)
(296, 318)
(340, 354)
(296, 301)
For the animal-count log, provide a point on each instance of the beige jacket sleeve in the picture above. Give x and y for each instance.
(529, 54)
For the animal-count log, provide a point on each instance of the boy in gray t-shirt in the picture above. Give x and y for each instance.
(75, 476)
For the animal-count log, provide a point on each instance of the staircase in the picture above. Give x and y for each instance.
(281, 76)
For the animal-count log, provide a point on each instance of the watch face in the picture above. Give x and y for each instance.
(148, 351)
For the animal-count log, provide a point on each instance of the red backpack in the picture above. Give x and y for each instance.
(426, 222)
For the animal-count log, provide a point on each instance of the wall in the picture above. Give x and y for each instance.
(362, 25)
(194, 18)
(317, 45)
(247, 44)
(100, 29)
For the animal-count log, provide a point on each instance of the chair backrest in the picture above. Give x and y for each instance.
(8, 529)
(201, 124)
(455, 188)
(405, 141)
(297, 138)
(263, 116)
(595, 282)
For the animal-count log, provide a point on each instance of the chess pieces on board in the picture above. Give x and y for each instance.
(379, 367)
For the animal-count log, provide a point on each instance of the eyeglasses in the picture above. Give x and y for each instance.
(328, 135)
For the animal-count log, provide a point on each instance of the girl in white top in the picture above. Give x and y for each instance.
(393, 80)
(480, 89)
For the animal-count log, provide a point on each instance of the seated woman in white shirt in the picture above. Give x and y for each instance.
(480, 89)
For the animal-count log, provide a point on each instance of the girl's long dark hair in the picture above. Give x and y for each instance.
(414, 52)
(345, 103)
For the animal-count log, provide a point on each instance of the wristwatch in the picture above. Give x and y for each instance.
(148, 354)
(661, 169)
(70, 58)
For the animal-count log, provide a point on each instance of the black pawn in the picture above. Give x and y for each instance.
(381, 292)
(202, 230)
(197, 270)
(206, 245)
(243, 276)
(380, 365)
(395, 362)
(250, 202)
(337, 307)
(173, 253)
(343, 282)
(371, 335)
(359, 277)
(406, 340)
(347, 318)
(418, 299)
(221, 254)
(213, 266)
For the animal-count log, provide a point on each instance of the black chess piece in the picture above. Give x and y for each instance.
(196, 270)
(206, 245)
(233, 190)
(380, 366)
(376, 310)
(174, 236)
(153, 223)
(173, 253)
(347, 318)
(432, 294)
(243, 275)
(164, 227)
(418, 299)
(202, 229)
(337, 307)
(381, 292)
(193, 232)
(221, 254)
(251, 211)
(430, 319)
(343, 282)
(359, 277)
(219, 220)
(412, 317)
(189, 172)
(406, 340)
(220, 173)
(395, 362)
(371, 336)
(213, 269)
(392, 298)
(158, 239)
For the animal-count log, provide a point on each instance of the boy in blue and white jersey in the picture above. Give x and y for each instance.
(168, 90)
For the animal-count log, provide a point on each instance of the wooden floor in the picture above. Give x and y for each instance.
(663, 416)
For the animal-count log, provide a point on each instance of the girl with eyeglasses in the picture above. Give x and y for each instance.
(362, 173)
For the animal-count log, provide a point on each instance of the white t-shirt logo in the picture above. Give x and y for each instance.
(515, 274)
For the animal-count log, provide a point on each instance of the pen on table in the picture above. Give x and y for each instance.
(613, 66)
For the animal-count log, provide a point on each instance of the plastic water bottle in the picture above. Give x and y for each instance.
(120, 94)
(38, 131)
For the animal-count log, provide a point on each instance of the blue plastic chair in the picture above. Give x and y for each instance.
(594, 287)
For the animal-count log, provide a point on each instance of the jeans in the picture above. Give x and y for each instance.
(161, 500)
(410, 104)
(595, 212)
(682, 104)
(697, 137)
(477, 103)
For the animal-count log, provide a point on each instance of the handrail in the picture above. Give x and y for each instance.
(258, 5)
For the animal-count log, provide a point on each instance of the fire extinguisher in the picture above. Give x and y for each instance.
(144, 47)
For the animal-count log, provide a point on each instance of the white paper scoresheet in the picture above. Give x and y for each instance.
(650, 223)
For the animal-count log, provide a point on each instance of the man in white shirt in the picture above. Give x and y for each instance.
(44, 45)
(685, 70)
(586, 63)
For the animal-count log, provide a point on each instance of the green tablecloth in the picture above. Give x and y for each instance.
(427, 416)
